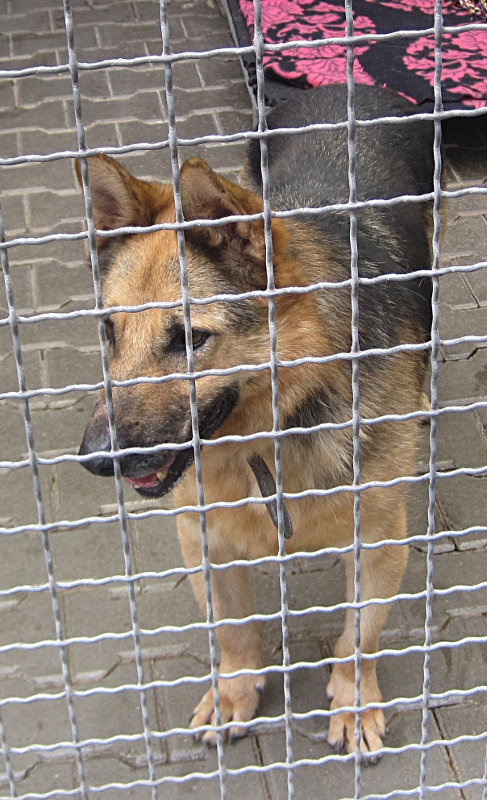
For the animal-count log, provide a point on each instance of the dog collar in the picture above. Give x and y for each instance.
(267, 486)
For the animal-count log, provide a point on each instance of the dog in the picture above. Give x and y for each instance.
(308, 169)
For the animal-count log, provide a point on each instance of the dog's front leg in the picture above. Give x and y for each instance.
(381, 573)
(241, 644)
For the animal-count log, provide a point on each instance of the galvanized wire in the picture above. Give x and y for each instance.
(434, 358)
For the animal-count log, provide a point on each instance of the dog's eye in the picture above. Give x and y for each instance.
(178, 341)
(110, 331)
(199, 338)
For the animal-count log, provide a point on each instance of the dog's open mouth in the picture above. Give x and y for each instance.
(161, 481)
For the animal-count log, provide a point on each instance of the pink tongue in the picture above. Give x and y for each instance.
(145, 480)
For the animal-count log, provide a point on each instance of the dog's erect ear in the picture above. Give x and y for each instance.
(118, 198)
(206, 195)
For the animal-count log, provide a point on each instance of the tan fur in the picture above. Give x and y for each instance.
(146, 269)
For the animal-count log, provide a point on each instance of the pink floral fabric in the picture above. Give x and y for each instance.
(405, 64)
(464, 64)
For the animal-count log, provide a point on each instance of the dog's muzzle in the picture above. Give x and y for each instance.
(97, 440)
(151, 474)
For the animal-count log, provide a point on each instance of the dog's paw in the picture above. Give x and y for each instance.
(239, 700)
(341, 733)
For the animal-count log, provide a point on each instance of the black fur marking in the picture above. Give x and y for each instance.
(322, 406)
(214, 414)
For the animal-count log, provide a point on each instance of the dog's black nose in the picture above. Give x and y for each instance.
(96, 439)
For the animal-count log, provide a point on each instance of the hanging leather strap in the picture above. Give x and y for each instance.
(267, 486)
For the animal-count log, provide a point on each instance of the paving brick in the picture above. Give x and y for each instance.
(417, 516)
(8, 371)
(468, 758)
(125, 82)
(102, 134)
(220, 71)
(466, 569)
(120, 768)
(188, 101)
(466, 205)
(47, 209)
(13, 211)
(461, 441)
(25, 550)
(124, 49)
(57, 284)
(94, 551)
(136, 132)
(455, 291)
(202, 45)
(43, 777)
(13, 436)
(28, 621)
(94, 612)
(38, 21)
(47, 115)
(42, 722)
(186, 8)
(225, 157)
(476, 282)
(44, 59)
(461, 499)
(452, 326)
(111, 13)
(413, 614)
(34, 90)
(196, 125)
(9, 145)
(6, 95)
(460, 381)
(51, 175)
(112, 35)
(155, 543)
(466, 235)
(80, 494)
(185, 74)
(197, 26)
(4, 46)
(147, 10)
(30, 44)
(59, 430)
(235, 121)
(72, 253)
(149, 164)
(102, 716)
(71, 331)
(246, 786)
(145, 105)
(44, 142)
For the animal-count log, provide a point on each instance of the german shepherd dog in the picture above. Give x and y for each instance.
(306, 170)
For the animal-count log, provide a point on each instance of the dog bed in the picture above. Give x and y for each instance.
(405, 65)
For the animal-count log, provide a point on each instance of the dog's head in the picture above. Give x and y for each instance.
(142, 268)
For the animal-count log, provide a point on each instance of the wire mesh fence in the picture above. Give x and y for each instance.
(104, 651)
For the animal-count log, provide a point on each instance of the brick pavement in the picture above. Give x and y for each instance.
(123, 106)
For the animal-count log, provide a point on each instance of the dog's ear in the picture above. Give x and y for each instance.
(206, 195)
(118, 198)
